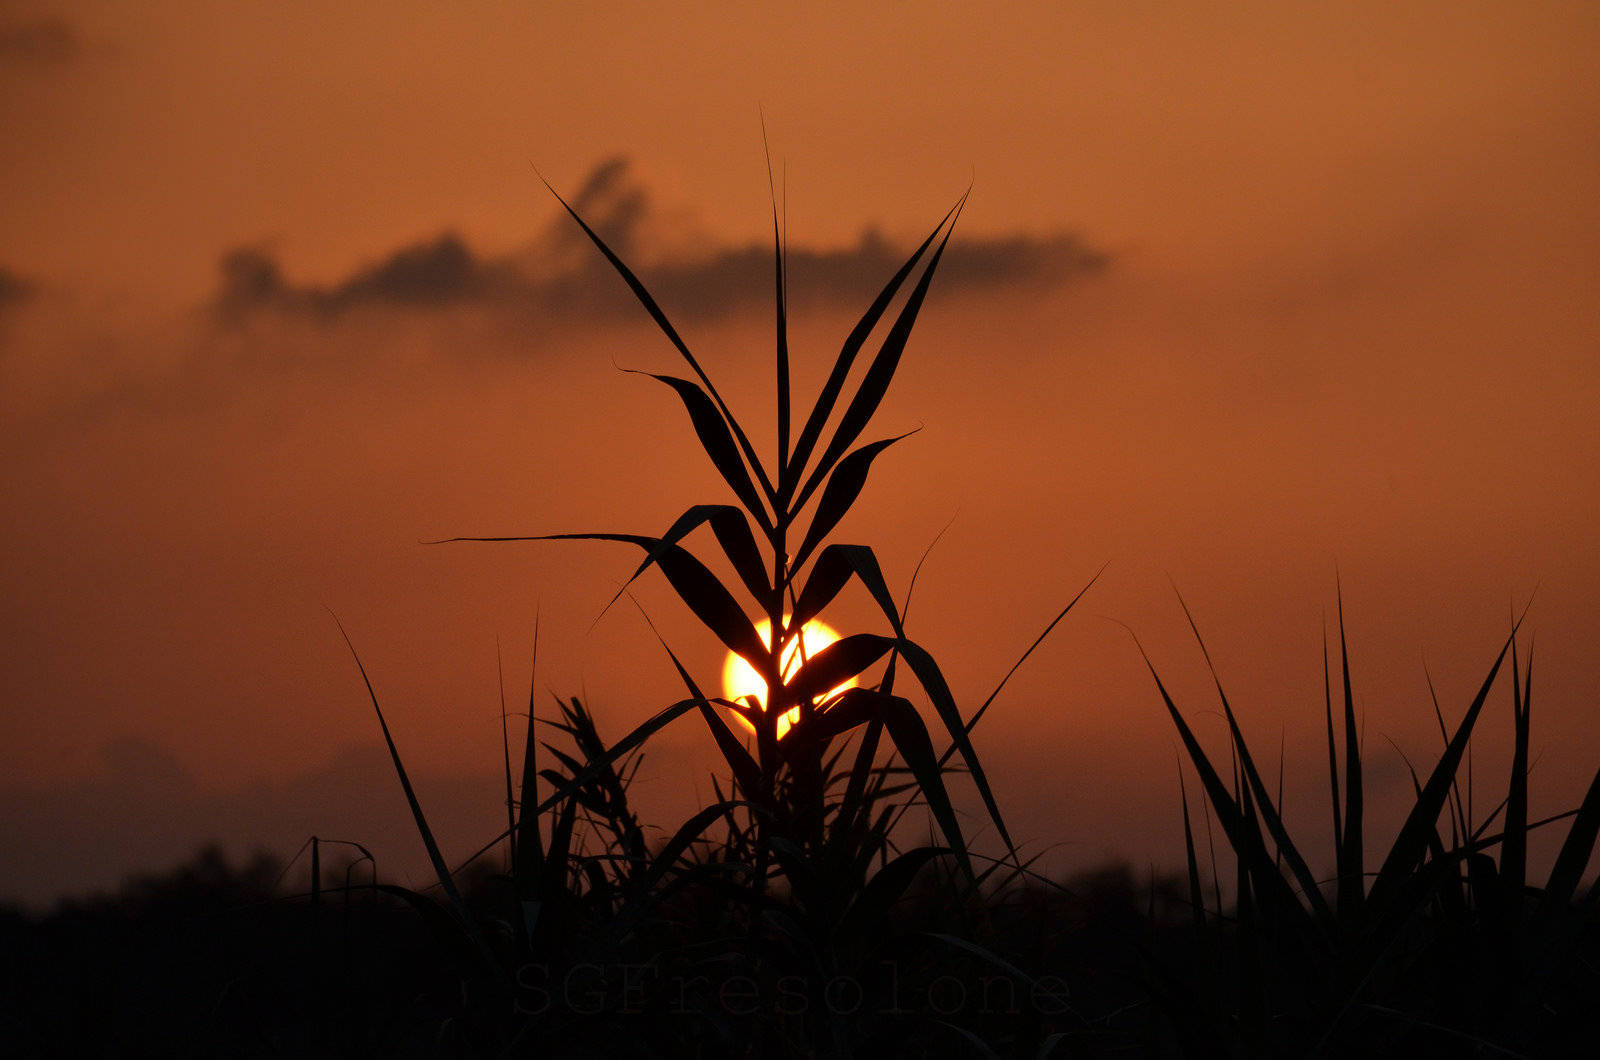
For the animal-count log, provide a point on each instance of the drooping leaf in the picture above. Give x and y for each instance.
(649, 303)
(696, 586)
(732, 531)
(910, 737)
(837, 663)
(717, 442)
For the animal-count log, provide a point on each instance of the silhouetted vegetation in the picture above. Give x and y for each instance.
(791, 917)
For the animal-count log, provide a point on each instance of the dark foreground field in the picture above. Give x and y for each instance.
(214, 960)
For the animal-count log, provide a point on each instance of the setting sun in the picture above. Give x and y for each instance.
(740, 679)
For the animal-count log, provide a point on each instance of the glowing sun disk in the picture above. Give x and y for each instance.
(740, 679)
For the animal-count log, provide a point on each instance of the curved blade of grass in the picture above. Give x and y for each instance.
(529, 842)
(847, 355)
(843, 487)
(744, 768)
(876, 382)
(1576, 850)
(1197, 898)
(717, 442)
(1351, 852)
(780, 283)
(910, 737)
(1412, 839)
(1243, 835)
(505, 757)
(933, 683)
(1514, 854)
(440, 869)
(1333, 744)
(660, 318)
(1261, 799)
(908, 733)
(978, 714)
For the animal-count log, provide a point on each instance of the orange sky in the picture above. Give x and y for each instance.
(1240, 297)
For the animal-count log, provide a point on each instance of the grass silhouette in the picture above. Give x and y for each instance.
(791, 916)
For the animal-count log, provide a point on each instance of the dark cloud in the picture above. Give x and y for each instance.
(13, 289)
(42, 40)
(558, 276)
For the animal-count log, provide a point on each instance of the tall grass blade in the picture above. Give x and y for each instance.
(1514, 853)
(876, 382)
(1351, 853)
(780, 282)
(1243, 834)
(1333, 744)
(831, 389)
(1412, 839)
(529, 841)
(505, 757)
(1197, 900)
(440, 869)
(1257, 789)
(1575, 852)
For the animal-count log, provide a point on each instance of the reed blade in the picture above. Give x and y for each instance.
(881, 372)
(660, 318)
(844, 486)
(831, 389)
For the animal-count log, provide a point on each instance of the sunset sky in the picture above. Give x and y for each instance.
(1244, 301)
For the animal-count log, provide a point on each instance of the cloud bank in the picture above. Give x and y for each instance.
(41, 40)
(14, 290)
(557, 277)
